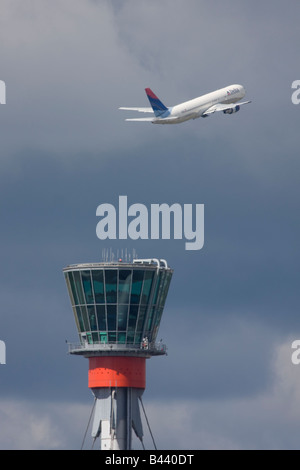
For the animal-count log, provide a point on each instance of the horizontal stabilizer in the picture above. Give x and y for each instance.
(149, 119)
(141, 110)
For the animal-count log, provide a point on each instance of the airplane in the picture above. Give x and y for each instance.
(225, 100)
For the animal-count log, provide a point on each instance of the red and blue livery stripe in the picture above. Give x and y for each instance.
(158, 107)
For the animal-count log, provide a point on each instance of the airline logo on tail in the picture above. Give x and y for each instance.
(158, 107)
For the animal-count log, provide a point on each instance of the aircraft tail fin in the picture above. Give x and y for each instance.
(158, 107)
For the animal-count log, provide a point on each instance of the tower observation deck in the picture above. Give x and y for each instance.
(118, 308)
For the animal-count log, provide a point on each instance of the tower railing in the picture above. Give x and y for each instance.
(143, 348)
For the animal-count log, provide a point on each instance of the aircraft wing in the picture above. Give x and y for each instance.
(223, 107)
(141, 110)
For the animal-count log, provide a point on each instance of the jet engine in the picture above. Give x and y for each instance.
(235, 109)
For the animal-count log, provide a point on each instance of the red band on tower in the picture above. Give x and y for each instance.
(117, 371)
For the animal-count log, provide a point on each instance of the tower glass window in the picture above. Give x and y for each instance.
(117, 303)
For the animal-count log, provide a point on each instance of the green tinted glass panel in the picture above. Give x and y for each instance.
(122, 317)
(122, 338)
(158, 318)
(80, 319)
(101, 317)
(164, 290)
(98, 284)
(111, 317)
(89, 338)
(92, 317)
(158, 285)
(67, 278)
(87, 286)
(141, 319)
(155, 323)
(137, 282)
(138, 337)
(73, 288)
(103, 336)
(111, 285)
(130, 336)
(133, 313)
(95, 337)
(112, 337)
(160, 288)
(148, 279)
(124, 286)
(151, 318)
(77, 281)
(85, 318)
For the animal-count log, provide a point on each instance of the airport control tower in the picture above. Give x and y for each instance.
(118, 308)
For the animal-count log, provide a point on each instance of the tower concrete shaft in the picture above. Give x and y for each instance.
(116, 413)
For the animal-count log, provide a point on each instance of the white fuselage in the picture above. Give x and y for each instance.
(196, 107)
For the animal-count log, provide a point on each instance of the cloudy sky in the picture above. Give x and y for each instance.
(233, 307)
